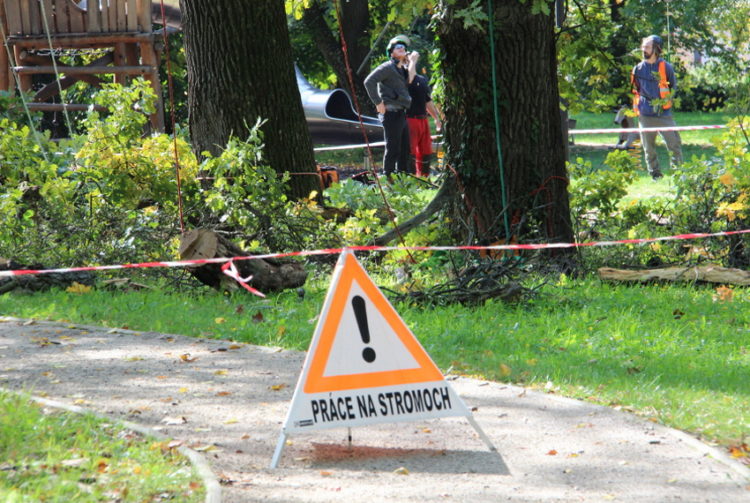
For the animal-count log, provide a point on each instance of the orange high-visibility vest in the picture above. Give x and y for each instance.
(664, 89)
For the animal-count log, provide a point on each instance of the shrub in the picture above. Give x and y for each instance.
(105, 196)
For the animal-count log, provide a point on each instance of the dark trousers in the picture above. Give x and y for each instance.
(396, 131)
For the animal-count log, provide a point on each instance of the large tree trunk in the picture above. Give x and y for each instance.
(533, 159)
(355, 20)
(240, 68)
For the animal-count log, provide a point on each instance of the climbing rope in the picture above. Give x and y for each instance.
(172, 115)
(496, 110)
(345, 50)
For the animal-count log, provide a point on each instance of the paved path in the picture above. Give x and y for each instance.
(229, 400)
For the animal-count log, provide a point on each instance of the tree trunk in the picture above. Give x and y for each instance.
(533, 160)
(355, 16)
(240, 68)
(40, 282)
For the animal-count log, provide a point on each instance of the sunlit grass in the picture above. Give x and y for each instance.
(48, 455)
(606, 121)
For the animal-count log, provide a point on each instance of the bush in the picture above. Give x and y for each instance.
(712, 195)
(105, 196)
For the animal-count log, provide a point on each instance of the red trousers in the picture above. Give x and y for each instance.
(421, 144)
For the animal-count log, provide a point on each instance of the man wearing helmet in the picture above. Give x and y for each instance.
(388, 88)
(654, 84)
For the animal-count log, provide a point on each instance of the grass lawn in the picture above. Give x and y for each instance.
(48, 455)
(595, 148)
(606, 121)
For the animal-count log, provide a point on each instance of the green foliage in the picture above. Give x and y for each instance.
(539, 7)
(296, 8)
(249, 199)
(107, 195)
(130, 171)
(177, 65)
(701, 91)
(473, 16)
(406, 197)
(12, 108)
(601, 190)
(598, 46)
(711, 194)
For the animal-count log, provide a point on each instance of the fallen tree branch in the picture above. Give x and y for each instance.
(41, 282)
(708, 273)
(268, 275)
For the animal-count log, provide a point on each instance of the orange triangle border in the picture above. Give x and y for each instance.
(316, 382)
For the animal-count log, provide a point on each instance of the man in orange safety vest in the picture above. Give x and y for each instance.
(654, 84)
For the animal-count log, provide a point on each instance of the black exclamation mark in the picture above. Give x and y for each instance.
(360, 312)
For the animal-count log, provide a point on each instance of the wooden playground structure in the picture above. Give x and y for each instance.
(37, 32)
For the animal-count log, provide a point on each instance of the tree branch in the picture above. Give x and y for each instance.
(443, 196)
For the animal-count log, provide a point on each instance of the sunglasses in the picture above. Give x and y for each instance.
(399, 46)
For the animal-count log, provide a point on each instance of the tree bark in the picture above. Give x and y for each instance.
(533, 155)
(40, 282)
(355, 16)
(240, 68)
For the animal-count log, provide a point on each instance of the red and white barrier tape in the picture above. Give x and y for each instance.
(230, 270)
(638, 130)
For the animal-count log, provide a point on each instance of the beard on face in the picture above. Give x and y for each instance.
(647, 55)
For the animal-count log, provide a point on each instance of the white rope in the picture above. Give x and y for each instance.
(12, 61)
(54, 66)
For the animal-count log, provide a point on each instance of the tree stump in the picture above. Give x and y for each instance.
(268, 275)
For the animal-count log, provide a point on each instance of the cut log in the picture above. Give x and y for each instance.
(268, 275)
(707, 273)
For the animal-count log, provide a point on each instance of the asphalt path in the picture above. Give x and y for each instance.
(228, 401)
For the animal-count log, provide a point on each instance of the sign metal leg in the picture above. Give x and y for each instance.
(481, 433)
(277, 452)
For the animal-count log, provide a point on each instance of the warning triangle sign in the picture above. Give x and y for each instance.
(361, 341)
(365, 366)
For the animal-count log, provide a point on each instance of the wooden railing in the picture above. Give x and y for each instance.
(66, 17)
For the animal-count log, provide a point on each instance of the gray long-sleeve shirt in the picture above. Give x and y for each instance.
(389, 84)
